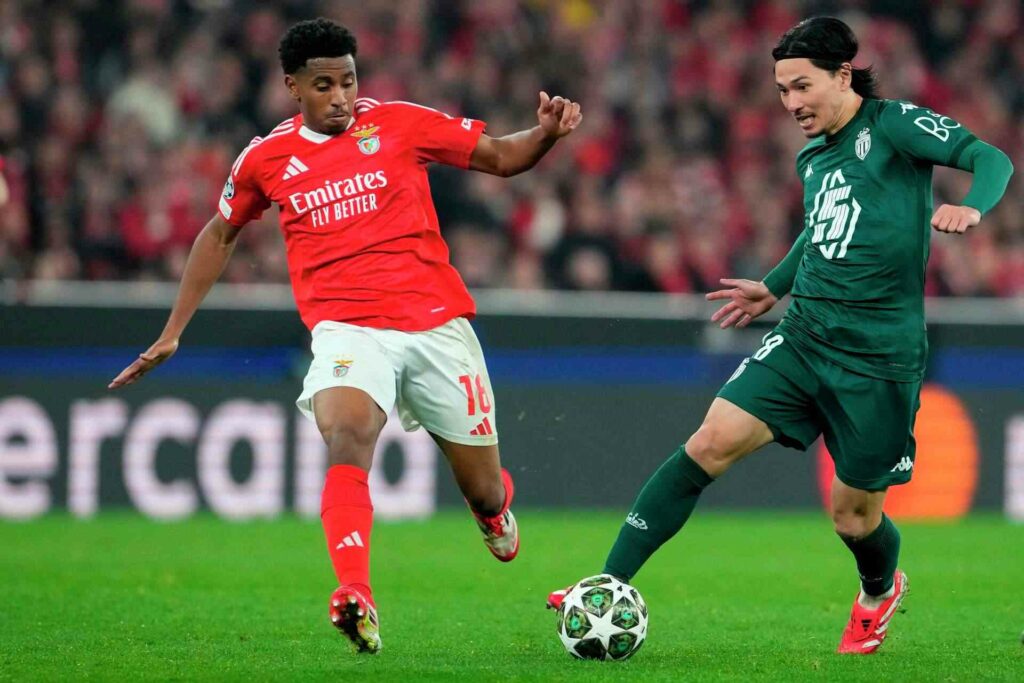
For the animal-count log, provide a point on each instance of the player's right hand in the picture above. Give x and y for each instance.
(152, 357)
(747, 300)
(558, 116)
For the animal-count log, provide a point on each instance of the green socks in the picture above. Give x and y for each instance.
(661, 510)
(876, 556)
(667, 500)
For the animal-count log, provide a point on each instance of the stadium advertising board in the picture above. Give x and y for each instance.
(242, 451)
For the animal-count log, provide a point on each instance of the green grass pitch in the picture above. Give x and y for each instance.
(734, 597)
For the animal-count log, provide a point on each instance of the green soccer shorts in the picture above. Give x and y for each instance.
(868, 423)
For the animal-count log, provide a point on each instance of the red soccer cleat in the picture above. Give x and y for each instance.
(501, 534)
(555, 598)
(867, 628)
(356, 618)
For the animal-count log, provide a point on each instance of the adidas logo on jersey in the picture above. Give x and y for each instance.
(353, 539)
(295, 167)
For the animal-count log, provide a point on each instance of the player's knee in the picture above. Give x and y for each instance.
(713, 449)
(852, 523)
(350, 442)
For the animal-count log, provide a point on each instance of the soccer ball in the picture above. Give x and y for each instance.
(602, 618)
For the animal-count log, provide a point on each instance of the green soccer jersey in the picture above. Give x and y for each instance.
(858, 295)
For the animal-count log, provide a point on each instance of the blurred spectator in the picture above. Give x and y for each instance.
(119, 122)
(5, 192)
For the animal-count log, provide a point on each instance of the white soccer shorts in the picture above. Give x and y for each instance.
(438, 378)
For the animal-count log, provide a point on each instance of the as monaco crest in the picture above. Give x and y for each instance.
(863, 144)
(367, 139)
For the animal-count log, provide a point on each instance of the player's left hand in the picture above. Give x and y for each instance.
(558, 116)
(747, 300)
(949, 218)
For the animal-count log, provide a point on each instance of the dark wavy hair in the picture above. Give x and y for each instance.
(829, 43)
(312, 39)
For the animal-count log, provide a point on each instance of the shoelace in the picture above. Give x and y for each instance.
(495, 525)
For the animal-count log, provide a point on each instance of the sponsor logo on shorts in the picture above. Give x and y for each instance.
(341, 366)
(634, 521)
(904, 465)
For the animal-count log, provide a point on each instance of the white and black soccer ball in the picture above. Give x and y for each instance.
(602, 618)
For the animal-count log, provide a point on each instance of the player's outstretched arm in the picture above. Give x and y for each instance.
(512, 154)
(210, 253)
(749, 299)
(746, 300)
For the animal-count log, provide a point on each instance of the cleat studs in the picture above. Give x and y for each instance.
(336, 603)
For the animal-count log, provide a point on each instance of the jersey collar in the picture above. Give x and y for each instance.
(850, 125)
(320, 138)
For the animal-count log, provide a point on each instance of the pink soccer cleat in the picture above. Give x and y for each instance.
(356, 618)
(867, 628)
(555, 598)
(501, 534)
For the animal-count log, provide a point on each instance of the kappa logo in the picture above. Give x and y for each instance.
(863, 143)
(342, 366)
(367, 139)
(809, 172)
(295, 167)
(634, 521)
(904, 465)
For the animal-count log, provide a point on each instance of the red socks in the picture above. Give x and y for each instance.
(347, 516)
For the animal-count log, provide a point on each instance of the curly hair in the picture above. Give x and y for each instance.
(312, 39)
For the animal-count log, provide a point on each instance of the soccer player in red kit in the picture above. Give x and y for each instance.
(372, 280)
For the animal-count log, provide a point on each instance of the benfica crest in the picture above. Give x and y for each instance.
(863, 144)
(367, 139)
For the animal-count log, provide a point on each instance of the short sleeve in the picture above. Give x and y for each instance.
(923, 135)
(438, 137)
(242, 200)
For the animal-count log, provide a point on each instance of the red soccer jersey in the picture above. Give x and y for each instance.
(364, 246)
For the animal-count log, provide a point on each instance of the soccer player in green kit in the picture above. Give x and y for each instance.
(848, 357)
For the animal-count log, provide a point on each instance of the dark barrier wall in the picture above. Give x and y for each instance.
(587, 408)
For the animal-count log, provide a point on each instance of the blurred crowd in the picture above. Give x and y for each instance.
(119, 121)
